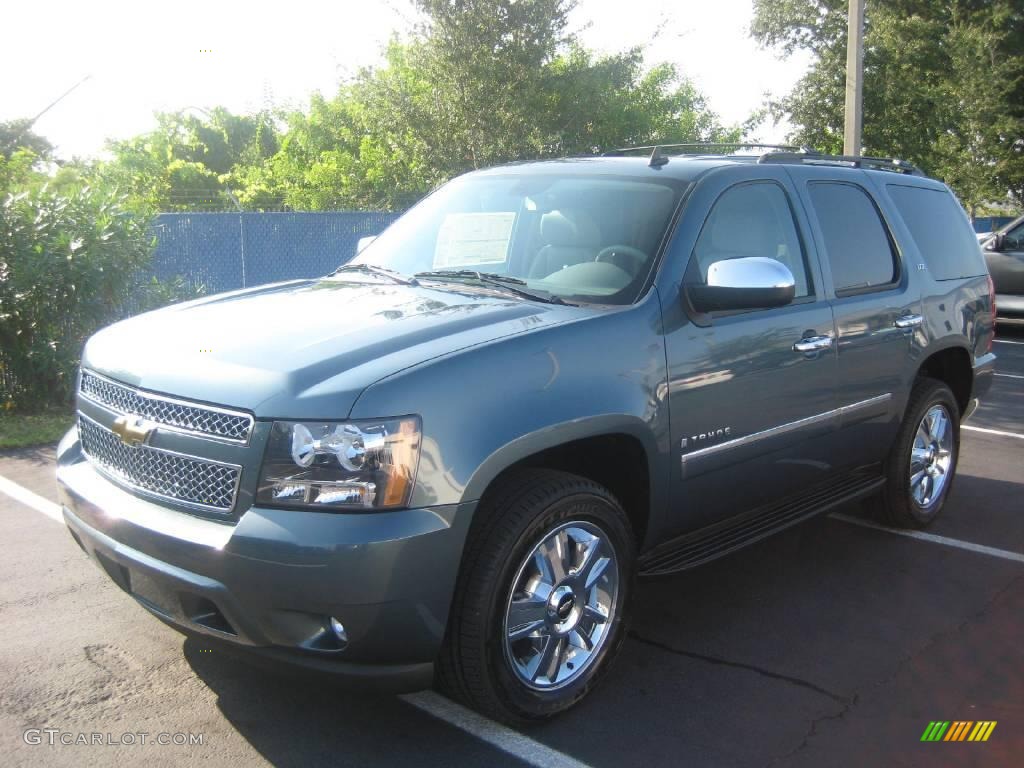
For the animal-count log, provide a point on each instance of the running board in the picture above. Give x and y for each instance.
(713, 541)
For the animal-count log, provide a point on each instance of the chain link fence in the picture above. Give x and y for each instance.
(226, 251)
(207, 253)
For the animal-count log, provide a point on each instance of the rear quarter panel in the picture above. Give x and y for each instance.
(957, 312)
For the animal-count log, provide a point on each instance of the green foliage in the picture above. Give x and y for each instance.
(187, 162)
(146, 295)
(66, 263)
(943, 85)
(602, 103)
(18, 170)
(74, 255)
(21, 430)
(478, 84)
(17, 135)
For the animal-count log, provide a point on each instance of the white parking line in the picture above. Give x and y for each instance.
(1008, 375)
(1007, 341)
(504, 738)
(30, 499)
(980, 549)
(997, 432)
(507, 740)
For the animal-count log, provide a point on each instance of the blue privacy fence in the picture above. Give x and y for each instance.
(226, 251)
(984, 224)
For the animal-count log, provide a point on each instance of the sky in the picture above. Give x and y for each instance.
(143, 57)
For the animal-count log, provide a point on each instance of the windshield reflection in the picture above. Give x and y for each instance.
(578, 238)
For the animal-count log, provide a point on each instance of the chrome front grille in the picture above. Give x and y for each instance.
(188, 480)
(205, 420)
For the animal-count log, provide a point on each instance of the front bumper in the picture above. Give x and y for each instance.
(272, 580)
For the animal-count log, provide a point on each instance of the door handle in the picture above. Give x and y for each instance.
(908, 321)
(813, 344)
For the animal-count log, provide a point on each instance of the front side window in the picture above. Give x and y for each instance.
(753, 220)
(587, 238)
(1014, 240)
(857, 243)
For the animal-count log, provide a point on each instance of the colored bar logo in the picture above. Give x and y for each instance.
(958, 730)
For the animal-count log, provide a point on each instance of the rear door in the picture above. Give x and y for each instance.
(876, 303)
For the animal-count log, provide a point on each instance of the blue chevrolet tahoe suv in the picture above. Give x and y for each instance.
(448, 461)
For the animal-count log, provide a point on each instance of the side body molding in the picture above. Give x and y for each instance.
(741, 448)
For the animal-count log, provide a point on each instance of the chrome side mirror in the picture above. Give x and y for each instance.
(754, 282)
(364, 241)
(996, 243)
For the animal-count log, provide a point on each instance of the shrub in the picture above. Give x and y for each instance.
(69, 263)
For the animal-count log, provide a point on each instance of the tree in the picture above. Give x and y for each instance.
(17, 134)
(943, 85)
(74, 255)
(480, 83)
(67, 263)
(188, 162)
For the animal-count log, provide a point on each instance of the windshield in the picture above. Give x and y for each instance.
(583, 238)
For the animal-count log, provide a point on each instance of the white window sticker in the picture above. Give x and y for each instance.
(473, 239)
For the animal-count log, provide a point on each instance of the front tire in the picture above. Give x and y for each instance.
(922, 464)
(539, 610)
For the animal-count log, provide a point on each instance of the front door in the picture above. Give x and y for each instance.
(752, 394)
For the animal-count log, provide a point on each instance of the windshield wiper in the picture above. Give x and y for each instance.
(373, 269)
(507, 282)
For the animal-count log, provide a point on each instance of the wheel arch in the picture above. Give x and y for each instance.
(617, 452)
(952, 366)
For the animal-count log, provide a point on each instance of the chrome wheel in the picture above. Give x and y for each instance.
(560, 610)
(931, 456)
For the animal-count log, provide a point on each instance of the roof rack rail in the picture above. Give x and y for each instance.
(700, 145)
(891, 164)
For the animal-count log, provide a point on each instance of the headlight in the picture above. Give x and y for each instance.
(340, 465)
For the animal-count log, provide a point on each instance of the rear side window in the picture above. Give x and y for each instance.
(940, 230)
(858, 245)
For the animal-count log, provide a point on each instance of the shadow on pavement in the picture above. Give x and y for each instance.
(294, 718)
(827, 645)
(38, 455)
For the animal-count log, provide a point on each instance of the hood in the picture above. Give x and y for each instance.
(305, 349)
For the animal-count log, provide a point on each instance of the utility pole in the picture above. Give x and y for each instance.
(51, 105)
(56, 101)
(854, 122)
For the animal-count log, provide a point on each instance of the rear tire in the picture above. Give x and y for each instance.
(922, 463)
(539, 609)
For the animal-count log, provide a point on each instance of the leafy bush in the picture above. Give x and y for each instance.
(68, 265)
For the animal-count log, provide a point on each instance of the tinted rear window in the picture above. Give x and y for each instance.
(940, 230)
(856, 241)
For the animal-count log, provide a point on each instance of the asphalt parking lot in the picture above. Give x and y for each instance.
(833, 644)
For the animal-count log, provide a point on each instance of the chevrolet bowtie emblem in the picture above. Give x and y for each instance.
(133, 430)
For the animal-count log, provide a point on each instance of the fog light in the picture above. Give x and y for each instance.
(339, 631)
